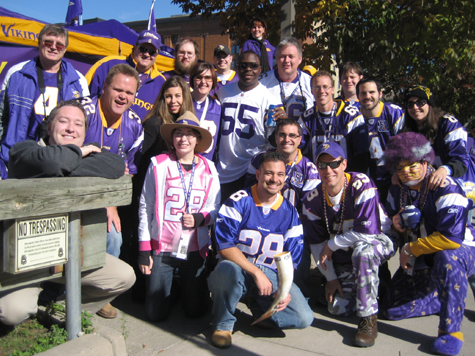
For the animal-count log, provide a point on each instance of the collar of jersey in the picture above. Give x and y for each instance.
(296, 79)
(381, 107)
(233, 73)
(348, 177)
(104, 121)
(299, 157)
(257, 201)
(153, 71)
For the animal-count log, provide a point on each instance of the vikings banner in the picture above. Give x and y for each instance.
(19, 42)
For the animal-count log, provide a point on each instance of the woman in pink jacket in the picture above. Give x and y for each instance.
(178, 204)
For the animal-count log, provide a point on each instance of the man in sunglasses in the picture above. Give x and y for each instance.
(437, 248)
(334, 121)
(33, 88)
(142, 58)
(287, 81)
(243, 130)
(343, 221)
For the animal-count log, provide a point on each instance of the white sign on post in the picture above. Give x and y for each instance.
(41, 242)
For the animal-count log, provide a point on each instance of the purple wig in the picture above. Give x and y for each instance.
(407, 147)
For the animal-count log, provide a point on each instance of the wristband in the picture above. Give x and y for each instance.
(405, 251)
(447, 168)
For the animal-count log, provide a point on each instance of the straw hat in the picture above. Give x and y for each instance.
(187, 120)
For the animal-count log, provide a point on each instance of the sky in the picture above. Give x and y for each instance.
(53, 11)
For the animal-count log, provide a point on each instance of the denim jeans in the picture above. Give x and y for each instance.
(159, 296)
(228, 283)
(114, 241)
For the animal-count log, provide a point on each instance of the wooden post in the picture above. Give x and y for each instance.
(73, 278)
(84, 199)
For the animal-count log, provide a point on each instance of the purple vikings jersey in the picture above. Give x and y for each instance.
(242, 223)
(300, 178)
(124, 137)
(151, 83)
(172, 73)
(361, 213)
(450, 144)
(350, 102)
(209, 114)
(445, 212)
(345, 126)
(387, 123)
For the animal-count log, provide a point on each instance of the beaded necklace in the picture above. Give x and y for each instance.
(424, 188)
(342, 204)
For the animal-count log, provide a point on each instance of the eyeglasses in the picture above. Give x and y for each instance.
(207, 78)
(245, 65)
(188, 136)
(321, 87)
(185, 54)
(292, 136)
(420, 103)
(332, 165)
(49, 44)
(151, 52)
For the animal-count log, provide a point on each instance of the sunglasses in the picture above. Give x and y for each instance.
(245, 65)
(49, 44)
(291, 135)
(207, 78)
(420, 103)
(151, 52)
(332, 165)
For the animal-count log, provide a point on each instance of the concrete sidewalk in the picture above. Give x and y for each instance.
(328, 335)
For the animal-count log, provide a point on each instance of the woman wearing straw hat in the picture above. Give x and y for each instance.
(179, 202)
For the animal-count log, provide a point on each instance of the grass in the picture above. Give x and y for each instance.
(34, 336)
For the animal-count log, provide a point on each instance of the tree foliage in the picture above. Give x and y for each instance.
(402, 42)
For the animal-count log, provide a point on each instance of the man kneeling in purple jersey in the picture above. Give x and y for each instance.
(439, 250)
(342, 213)
(254, 225)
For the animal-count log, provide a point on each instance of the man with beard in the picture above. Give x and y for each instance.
(186, 52)
(383, 120)
(252, 227)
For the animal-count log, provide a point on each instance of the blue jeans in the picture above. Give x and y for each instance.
(114, 241)
(228, 283)
(159, 297)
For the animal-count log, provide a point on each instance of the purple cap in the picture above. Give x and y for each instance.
(151, 37)
(331, 148)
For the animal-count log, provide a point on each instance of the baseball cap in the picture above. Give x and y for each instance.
(221, 48)
(331, 148)
(151, 37)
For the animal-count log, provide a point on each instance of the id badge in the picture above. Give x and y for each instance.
(182, 250)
